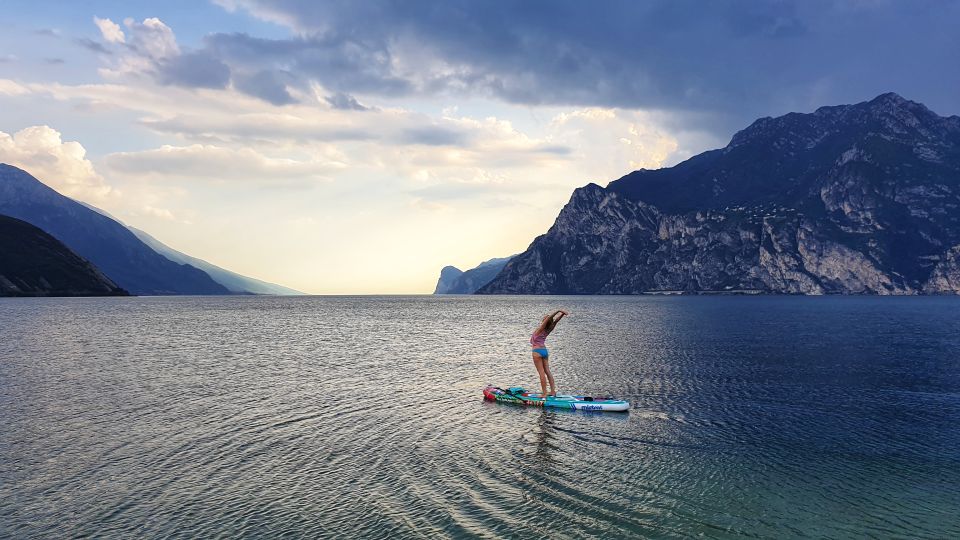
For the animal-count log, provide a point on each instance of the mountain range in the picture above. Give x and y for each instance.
(234, 282)
(37, 264)
(142, 268)
(455, 281)
(849, 199)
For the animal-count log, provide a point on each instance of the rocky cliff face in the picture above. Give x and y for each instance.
(455, 281)
(448, 279)
(856, 199)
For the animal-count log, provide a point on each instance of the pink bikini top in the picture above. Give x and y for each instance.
(538, 339)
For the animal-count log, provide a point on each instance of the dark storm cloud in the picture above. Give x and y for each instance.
(735, 59)
(341, 64)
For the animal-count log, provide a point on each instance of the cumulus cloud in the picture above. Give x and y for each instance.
(152, 38)
(150, 48)
(41, 151)
(110, 30)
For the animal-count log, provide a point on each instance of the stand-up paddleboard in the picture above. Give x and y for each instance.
(578, 403)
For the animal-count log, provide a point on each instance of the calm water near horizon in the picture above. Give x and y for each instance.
(769, 417)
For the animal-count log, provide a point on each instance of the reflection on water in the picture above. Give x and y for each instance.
(541, 436)
(362, 416)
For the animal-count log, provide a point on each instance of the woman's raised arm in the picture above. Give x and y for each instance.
(543, 324)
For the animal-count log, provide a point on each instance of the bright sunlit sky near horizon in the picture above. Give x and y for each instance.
(359, 147)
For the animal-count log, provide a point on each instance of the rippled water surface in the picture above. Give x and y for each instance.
(362, 417)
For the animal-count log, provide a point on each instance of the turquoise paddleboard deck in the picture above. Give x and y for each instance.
(520, 396)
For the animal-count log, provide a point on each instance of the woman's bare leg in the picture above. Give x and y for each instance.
(546, 370)
(538, 361)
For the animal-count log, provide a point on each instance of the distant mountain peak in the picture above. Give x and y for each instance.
(893, 99)
(888, 113)
(910, 112)
(851, 199)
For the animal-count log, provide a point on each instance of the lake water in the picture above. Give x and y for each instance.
(362, 417)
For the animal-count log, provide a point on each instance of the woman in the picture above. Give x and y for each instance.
(540, 354)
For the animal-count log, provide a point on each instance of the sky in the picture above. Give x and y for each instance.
(344, 147)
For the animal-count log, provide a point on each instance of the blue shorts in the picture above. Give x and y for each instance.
(542, 352)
